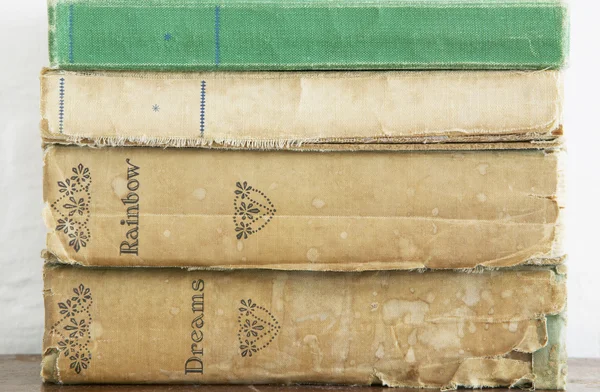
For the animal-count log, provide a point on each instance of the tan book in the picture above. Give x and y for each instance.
(290, 210)
(440, 329)
(282, 109)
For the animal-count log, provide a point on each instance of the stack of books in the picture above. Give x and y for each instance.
(310, 191)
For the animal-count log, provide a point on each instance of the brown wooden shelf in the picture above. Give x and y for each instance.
(20, 373)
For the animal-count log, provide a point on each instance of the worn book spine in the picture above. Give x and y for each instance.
(134, 206)
(434, 329)
(236, 109)
(309, 34)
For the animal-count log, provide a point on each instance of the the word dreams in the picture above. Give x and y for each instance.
(195, 363)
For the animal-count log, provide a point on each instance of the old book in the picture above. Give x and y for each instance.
(307, 34)
(134, 206)
(279, 109)
(439, 329)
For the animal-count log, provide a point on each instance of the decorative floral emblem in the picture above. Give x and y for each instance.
(68, 188)
(79, 362)
(248, 348)
(67, 346)
(68, 308)
(76, 328)
(76, 206)
(247, 307)
(257, 328)
(252, 328)
(73, 207)
(243, 230)
(82, 174)
(77, 240)
(253, 210)
(247, 211)
(73, 328)
(82, 294)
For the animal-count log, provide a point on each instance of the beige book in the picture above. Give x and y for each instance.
(440, 329)
(136, 206)
(281, 109)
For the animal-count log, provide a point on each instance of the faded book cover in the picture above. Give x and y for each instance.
(136, 206)
(441, 329)
(307, 34)
(237, 110)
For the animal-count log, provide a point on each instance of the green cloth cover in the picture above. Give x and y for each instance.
(307, 34)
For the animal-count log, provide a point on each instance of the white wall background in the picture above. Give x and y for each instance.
(23, 53)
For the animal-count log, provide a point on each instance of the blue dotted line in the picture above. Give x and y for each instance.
(71, 10)
(61, 105)
(202, 107)
(217, 38)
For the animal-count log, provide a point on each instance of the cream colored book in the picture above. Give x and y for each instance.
(341, 211)
(282, 109)
(440, 329)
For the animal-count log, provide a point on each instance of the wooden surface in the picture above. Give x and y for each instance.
(20, 373)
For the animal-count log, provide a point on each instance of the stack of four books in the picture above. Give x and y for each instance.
(389, 212)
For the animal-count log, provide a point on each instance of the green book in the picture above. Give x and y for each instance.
(307, 34)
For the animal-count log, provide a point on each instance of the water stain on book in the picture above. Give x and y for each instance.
(482, 168)
(318, 203)
(407, 249)
(312, 255)
(430, 298)
(471, 296)
(409, 312)
(472, 327)
(441, 338)
(96, 330)
(119, 186)
(200, 193)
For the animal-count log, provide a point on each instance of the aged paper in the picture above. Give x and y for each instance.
(440, 329)
(282, 109)
(314, 211)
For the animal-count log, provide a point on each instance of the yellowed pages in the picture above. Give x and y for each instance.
(279, 109)
(309, 211)
(434, 329)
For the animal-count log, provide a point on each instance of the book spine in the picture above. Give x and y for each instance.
(236, 110)
(137, 206)
(317, 34)
(550, 363)
(433, 329)
(52, 43)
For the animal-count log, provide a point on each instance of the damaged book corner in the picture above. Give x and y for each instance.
(378, 199)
